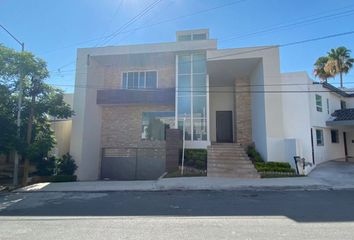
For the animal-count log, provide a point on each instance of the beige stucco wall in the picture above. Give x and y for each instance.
(221, 99)
(121, 125)
(62, 130)
(62, 133)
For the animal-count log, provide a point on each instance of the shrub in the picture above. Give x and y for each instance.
(196, 158)
(261, 166)
(45, 166)
(254, 155)
(274, 167)
(65, 165)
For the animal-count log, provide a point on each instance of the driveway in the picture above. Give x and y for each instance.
(338, 174)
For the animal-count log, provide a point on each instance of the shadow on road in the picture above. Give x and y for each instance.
(301, 206)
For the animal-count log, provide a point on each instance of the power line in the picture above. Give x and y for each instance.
(258, 49)
(124, 26)
(300, 22)
(155, 24)
(131, 21)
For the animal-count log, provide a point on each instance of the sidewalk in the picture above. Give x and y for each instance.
(327, 176)
(189, 183)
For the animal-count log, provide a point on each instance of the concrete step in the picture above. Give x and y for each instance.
(230, 160)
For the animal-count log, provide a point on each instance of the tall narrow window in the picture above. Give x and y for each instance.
(192, 96)
(319, 137)
(327, 106)
(334, 136)
(318, 103)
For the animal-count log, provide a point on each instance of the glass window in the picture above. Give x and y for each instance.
(142, 80)
(199, 107)
(192, 86)
(186, 37)
(184, 85)
(199, 84)
(327, 106)
(334, 136)
(184, 106)
(319, 103)
(199, 36)
(199, 64)
(184, 64)
(134, 80)
(319, 137)
(188, 131)
(154, 125)
(199, 129)
(130, 80)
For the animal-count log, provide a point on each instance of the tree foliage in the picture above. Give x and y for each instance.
(40, 103)
(337, 62)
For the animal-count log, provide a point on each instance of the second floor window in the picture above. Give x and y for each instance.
(139, 80)
(318, 103)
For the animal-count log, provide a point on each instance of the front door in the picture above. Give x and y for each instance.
(224, 127)
(345, 145)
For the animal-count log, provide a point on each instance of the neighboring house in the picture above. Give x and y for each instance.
(319, 117)
(227, 99)
(62, 130)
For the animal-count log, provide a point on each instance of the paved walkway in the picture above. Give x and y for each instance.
(331, 175)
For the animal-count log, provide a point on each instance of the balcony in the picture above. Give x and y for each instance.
(159, 96)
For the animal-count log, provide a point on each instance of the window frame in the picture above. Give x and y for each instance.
(125, 86)
(337, 135)
(319, 108)
(321, 138)
(327, 103)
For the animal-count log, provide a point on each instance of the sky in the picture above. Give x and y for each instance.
(53, 30)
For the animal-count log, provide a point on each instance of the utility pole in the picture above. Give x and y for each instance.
(19, 106)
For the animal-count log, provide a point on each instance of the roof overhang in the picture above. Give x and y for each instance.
(344, 123)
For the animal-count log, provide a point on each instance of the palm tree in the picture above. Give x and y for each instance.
(319, 69)
(339, 62)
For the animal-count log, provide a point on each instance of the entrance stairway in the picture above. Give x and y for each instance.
(229, 160)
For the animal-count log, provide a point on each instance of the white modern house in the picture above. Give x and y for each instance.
(319, 118)
(227, 99)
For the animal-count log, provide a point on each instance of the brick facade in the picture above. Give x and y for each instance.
(121, 125)
(243, 112)
(163, 63)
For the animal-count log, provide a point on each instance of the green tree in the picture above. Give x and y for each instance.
(8, 136)
(40, 102)
(339, 62)
(319, 69)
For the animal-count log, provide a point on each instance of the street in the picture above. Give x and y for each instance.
(178, 214)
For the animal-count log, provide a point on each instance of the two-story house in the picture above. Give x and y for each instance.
(225, 99)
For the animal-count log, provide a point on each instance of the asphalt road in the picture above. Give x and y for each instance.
(178, 215)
